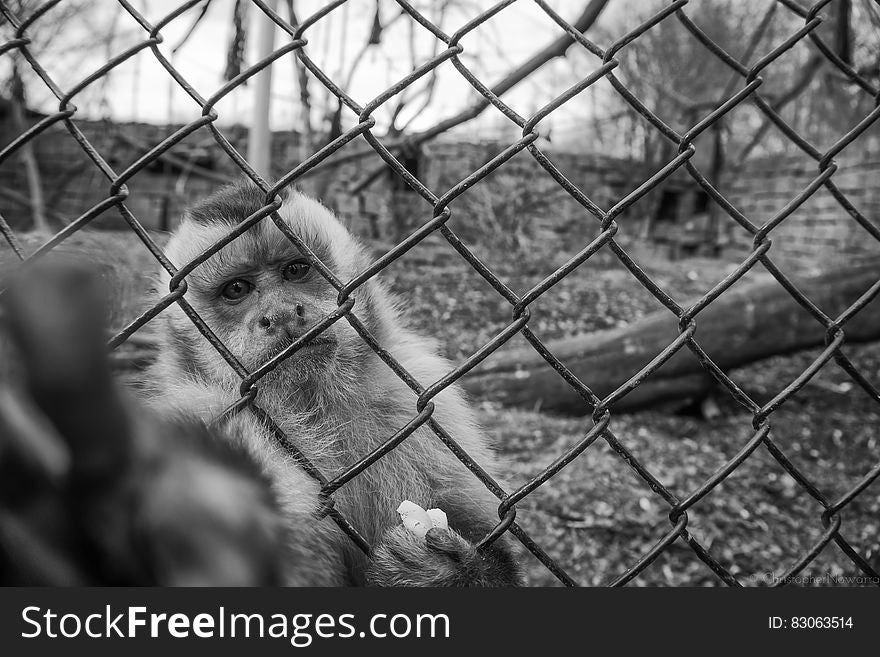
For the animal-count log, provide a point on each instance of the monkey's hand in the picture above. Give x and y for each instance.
(441, 558)
(94, 489)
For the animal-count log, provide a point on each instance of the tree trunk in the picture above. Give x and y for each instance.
(745, 324)
(29, 158)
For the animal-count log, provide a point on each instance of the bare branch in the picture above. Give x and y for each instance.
(808, 73)
(555, 49)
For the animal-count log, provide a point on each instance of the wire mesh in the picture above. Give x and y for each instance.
(296, 44)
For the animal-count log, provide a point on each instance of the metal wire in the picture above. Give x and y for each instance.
(600, 409)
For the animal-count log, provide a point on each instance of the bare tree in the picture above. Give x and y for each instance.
(55, 44)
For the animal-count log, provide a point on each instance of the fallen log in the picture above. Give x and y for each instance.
(747, 323)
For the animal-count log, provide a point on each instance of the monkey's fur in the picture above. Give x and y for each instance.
(334, 398)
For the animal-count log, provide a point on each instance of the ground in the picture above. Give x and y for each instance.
(597, 517)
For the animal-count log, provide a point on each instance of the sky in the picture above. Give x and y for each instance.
(141, 90)
(72, 45)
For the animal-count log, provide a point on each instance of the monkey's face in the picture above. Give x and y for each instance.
(260, 306)
(259, 294)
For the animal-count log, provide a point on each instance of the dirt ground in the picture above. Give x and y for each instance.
(597, 517)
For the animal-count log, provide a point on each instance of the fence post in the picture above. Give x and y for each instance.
(260, 136)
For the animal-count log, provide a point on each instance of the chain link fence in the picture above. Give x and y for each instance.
(296, 44)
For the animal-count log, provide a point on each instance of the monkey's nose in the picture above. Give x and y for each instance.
(283, 322)
(273, 323)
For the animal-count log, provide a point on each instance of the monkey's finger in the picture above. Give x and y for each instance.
(401, 547)
(32, 455)
(27, 559)
(449, 543)
(55, 314)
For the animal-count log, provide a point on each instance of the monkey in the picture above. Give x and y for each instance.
(334, 398)
(148, 501)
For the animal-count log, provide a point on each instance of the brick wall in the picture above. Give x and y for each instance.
(72, 184)
(820, 230)
(521, 194)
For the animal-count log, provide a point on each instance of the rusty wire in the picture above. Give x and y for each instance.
(600, 409)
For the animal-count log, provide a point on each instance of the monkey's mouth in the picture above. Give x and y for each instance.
(320, 345)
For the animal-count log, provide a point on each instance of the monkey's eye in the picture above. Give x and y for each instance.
(236, 290)
(296, 270)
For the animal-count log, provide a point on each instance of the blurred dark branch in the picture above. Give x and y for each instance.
(754, 42)
(843, 38)
(27, 202)
(808, 73)
(192, 28)
(184, 163)
(235, 52)
(305, 97)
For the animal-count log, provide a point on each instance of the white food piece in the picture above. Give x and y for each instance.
(419, 521)
(438, 518)
(414, 518)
